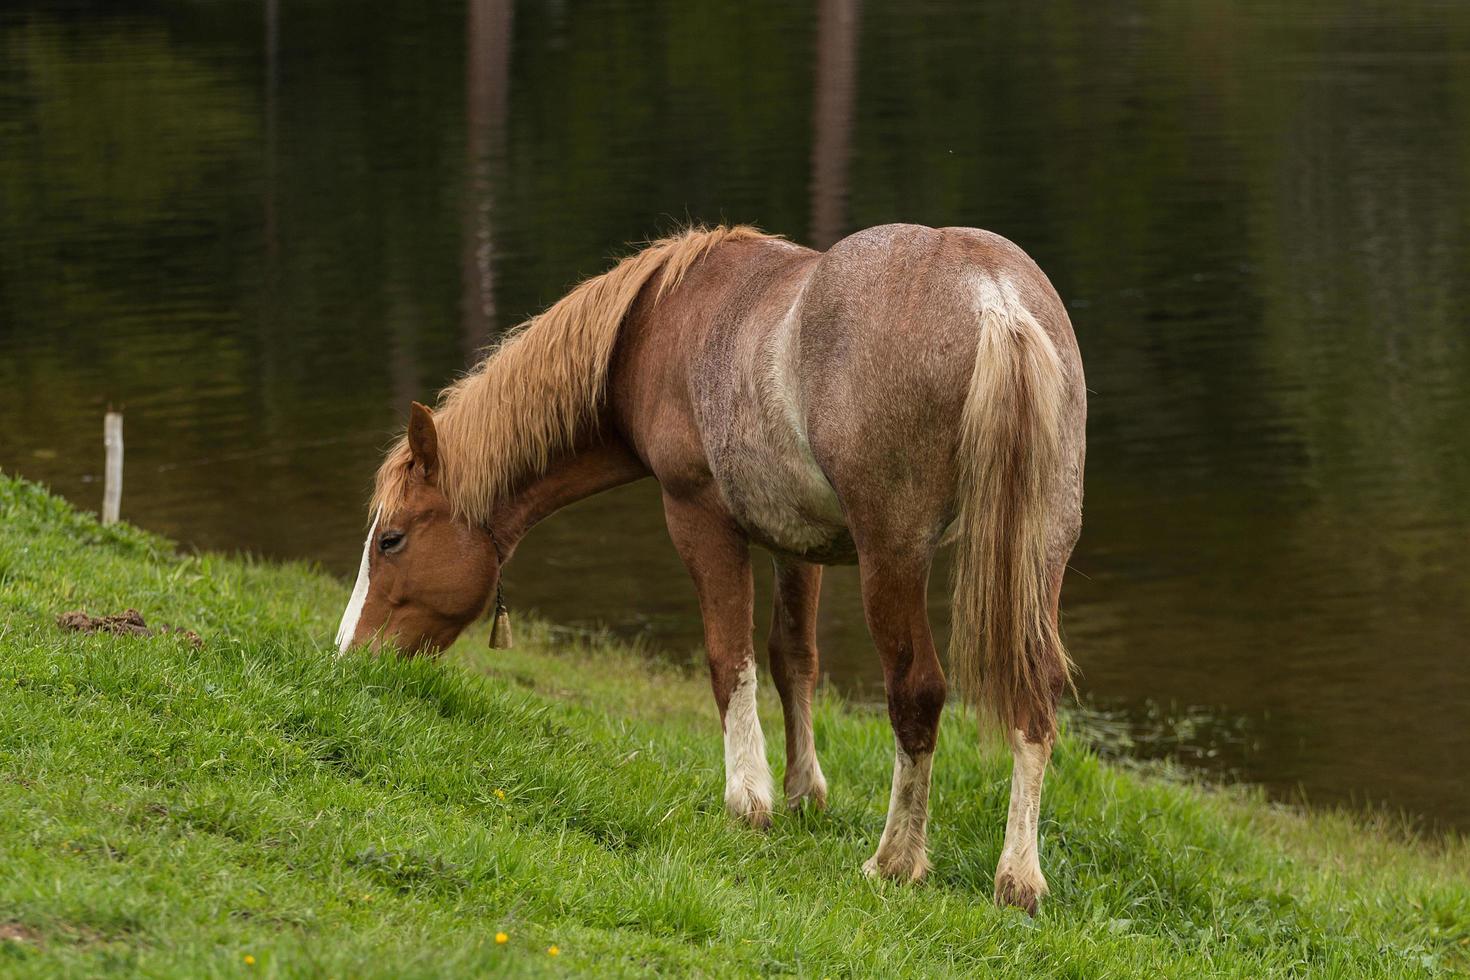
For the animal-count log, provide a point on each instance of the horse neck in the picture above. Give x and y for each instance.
(598, 462)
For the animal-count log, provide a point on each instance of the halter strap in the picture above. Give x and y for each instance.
(499, 578)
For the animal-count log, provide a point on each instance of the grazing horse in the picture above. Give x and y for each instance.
(907, 387)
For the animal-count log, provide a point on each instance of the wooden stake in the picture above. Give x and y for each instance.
(112, 489)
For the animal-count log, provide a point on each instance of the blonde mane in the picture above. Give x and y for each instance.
(526, 402)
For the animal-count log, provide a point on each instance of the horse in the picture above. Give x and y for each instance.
(907, 388)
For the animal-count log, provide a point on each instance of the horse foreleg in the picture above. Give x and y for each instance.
(793, 649)
(893, 599)
(718, 559)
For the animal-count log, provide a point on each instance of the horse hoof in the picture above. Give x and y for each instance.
(752, 812)
(1011, 891)
(904, 868)
(814, 798)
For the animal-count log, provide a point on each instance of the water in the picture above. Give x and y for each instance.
(263, 228)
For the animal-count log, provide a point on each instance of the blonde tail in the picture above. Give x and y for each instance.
(1005, 652)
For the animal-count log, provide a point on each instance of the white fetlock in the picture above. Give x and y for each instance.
(807, 785)
(903, 851)
(1018, 878)
(748, 787)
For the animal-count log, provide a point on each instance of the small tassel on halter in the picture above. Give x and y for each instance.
(500, 638)
(500, 628)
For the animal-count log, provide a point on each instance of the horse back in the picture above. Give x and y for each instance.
(790, 383)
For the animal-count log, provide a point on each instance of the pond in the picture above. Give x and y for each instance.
(262, 228)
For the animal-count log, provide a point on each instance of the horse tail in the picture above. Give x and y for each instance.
(1005, 652)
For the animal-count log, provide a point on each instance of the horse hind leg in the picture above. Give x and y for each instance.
(894, 601)
(793, 648)
(1018, 878)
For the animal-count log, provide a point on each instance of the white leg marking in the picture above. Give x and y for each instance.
(1018, 875)
(903, 851)
(348, 627)
(804, 779)
(747, 775)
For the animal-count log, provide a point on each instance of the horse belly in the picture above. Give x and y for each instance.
(753, 426)
(770, 479)
(786, 505)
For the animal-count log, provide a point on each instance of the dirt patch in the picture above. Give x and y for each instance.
(128, 623)
(14, 932)
(61, 932)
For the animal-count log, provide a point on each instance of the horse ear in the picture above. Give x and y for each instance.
(423, 441)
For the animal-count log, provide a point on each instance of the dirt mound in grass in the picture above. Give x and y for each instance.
(17, 933)
(129, 623)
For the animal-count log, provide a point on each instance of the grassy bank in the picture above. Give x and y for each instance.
(257, 806)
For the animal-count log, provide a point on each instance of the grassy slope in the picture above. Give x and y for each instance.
(172, 812)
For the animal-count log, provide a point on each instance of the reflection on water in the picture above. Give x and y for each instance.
(263, 228)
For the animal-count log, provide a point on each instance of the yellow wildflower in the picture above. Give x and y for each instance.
(501, 939)
(553, 951)
(249, 960)
(500, 794)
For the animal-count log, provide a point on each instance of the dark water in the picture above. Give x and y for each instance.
(262, 229)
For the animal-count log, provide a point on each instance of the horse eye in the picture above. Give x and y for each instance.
(390, 541)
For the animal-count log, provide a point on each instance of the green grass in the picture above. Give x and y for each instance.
(169, 812)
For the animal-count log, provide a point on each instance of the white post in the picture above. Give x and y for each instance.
(112, 490)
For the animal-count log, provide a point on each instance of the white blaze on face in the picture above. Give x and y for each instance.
(348, 627)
